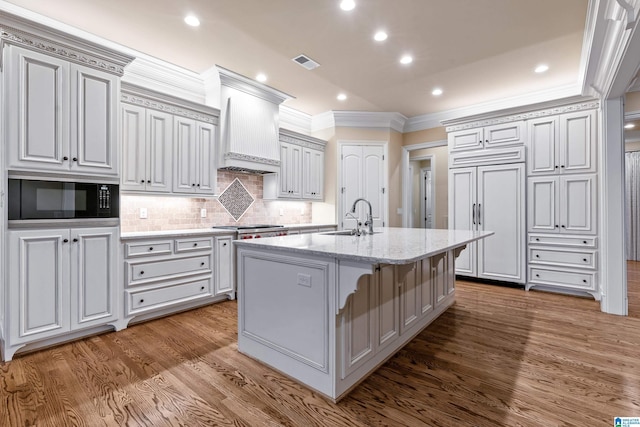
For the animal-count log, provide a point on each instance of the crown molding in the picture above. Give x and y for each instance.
(239, 82)
(369, 119)
(21, 31)
(296, 138)
(294, 120)
(145, 97)
(322, 121)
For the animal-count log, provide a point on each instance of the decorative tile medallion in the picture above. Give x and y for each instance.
(236, 199)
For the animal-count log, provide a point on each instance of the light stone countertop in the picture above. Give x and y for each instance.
(175, 233)
(386, 245)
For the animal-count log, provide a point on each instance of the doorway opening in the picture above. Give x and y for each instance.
(422, 203)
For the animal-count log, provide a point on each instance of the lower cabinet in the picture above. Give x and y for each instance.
(395, 302)
(62, 280)
(175, 273)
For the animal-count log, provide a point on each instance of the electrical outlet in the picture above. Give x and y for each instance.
(304, 280)
(203, 213)
(143, 213)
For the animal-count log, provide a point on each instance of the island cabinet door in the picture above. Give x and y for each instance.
(388, 306)
(442, 277)
(410, 295)
(358, 325)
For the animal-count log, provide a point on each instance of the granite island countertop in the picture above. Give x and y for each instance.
(387, 245)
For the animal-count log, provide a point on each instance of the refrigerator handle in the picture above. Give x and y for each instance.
(473, 213)
(479, 210)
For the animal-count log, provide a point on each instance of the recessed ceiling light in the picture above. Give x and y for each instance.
(629, 126)
(541, 68)
(406, 59)
(192, 20)
(341, 97)
(347, 5)
(380, 36)
(436, 92)
(261, 77)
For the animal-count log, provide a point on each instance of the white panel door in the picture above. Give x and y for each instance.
(373, 184)
(462, 214)
(578, 204)
(543, 145)
(36, 109)
(543, 212)
(39, 291)
(185, 154)
(159, 142)
(134, 157)
(501, 209)
(351, 178)
(94, 125)
(206, 178)
(577, 142)
(94, 276)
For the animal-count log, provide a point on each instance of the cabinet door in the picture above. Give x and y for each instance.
(358, 324)
(290, 170)
(468, 139)
(94, 124)
(462, 214)
(442, 278)
(36, 110)
(388, 306)
(577, 142)
(39, 292)
(426, 287)
(410, 293)
(133, 148)
(504, 134)
(543, 213)
(94, 276)
(185, 155)
(313, 174)
(206, 169)
(159, 138)
(501, 209)
(543, 145)
(224, 265)
(578, 204)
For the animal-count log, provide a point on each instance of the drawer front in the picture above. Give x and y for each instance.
(566, 279)
(564, 258)
(143, 300)
(147, 248)
(553, 240)
(146, 271)
(197, 244)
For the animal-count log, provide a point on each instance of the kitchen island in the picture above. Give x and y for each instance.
(328, 309)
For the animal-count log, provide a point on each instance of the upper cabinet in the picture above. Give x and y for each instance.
(169, 144)
(61, 103)
(563, 143)
(494, 136)
(301, 175)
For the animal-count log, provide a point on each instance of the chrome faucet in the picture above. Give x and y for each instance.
(369, 221)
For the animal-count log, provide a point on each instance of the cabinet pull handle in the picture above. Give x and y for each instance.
(142, 272)
(65, 158)
(65, 240)
(479, 212)
(75, 240)
(75, 159)
(473, 213)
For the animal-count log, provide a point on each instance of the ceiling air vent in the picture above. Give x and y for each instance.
(306, 62)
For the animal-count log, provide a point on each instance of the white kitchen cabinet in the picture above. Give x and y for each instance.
(62, 280)
(301, 175)
(147, 137)
(224, 263)
(61, 116)
(494, 136)
(562, 204)
(490, 198)
(194, 156)
(561, 144)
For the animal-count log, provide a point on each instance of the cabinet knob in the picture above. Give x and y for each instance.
(202, 288)
(562, 166)
(75, 159)
(224, 244)
(201, 264)
(65, 158)
(556, 166)
(142, 181)
(537, 256)
(195, 244)
(584, 241)
(141, 301)
(75, 240)
(486, 140)
(537, 275)
(148, 181)
(150, 248)
(584, 280)
(556, 225)
(198, 185)
(65, 240)
(537, 239)
(584, 259)
(142, 272)
(564, 226)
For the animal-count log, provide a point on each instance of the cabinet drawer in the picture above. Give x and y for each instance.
(573, 241)
(564, 258)
(143, 300)
(146, 271)
(193, 244)
(565, 279)
(137, 249)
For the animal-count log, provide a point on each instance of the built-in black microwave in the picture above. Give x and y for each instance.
(35, 199)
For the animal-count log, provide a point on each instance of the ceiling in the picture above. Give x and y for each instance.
(475, 50)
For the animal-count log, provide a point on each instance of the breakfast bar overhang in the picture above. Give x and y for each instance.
(327, 309)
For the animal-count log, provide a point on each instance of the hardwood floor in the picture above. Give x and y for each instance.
(498, 357)
(633, 288)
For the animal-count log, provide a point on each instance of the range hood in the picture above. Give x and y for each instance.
(249, 124)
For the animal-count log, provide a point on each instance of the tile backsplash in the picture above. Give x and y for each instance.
(175, 213)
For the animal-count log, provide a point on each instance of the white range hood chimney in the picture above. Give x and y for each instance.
(248, 124)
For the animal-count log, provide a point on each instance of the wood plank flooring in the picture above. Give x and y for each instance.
(499, 357)
(633, 288)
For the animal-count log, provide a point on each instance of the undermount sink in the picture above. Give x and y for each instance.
(345, 233)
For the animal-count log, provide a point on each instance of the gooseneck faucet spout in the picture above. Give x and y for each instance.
(369, 222)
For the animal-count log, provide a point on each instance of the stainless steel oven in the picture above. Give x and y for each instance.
(31, 199)
(255, 231)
